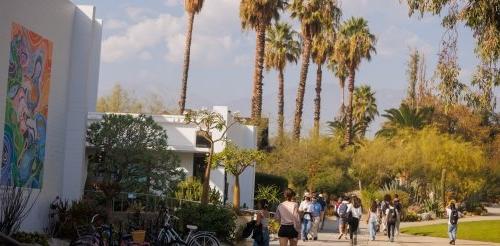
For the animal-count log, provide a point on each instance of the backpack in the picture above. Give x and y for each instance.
(397, 205)
(343, 211)
(392, 217)
(248, 229)
(454, 217)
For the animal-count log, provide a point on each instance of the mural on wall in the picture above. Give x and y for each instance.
(27, 97)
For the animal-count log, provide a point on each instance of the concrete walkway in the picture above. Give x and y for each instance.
(329, 236)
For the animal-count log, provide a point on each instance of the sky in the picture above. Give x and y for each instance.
(143, 45)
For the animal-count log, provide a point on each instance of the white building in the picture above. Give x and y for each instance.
(192, 150)
(59, 47)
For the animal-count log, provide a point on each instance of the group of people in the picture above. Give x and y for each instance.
(305, 220)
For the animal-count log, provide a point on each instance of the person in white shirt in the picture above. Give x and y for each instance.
(342, 212)
(356, 212)
(305, 208)
(453, 216)
(287, 214)
(372, 220)
(391, 214)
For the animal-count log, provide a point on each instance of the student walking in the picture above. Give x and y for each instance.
(305, 209)
(322, 201)
(383, 207)
(453, 216)
(262, 221)
(372, 220)
(354, 212)
(391, 218)
(288, 216)
(343, 216)
(399, 208)
(336, 205)
(316, 217)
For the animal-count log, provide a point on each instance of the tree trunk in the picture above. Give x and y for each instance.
(206, 177)
(259, 67)
(317, 100)
(350, 87)
(443, 186)
(299, 103)
(187, 52)
(342, 105)
(281, 103)
(236, 192)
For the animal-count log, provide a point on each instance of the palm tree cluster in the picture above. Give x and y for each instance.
(322, 39)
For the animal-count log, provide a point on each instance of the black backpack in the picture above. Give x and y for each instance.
(392, 217)
(454, 217)
(248, 229)
(343, 211)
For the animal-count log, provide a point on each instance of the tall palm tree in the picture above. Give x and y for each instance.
(282, 46)
(314, 17)
(192, 7)
(322, 48)
(354, 44)
(364, 107)
(340, 71)
(405, 117)
(257, 15)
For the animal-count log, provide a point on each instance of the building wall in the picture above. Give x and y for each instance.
(70, 28)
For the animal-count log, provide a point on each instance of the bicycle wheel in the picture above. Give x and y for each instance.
(204, 239)
(177, 243)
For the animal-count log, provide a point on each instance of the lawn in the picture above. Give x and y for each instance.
(486, 231)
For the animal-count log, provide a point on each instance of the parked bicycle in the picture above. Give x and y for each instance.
(169, 237)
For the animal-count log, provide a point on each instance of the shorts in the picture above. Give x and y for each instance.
(288, 231)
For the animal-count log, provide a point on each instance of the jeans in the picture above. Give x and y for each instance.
(390, 230)
(265, 236)
(306, 227)
(372, 228)
(452, 232)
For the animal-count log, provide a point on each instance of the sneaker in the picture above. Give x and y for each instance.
(340, 237)
(392, 239)
(453, 242)
(315, 238)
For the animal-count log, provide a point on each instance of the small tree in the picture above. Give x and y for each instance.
(207, 122)
(131, 154)
(235, 161)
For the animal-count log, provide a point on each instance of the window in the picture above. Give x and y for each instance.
(199, 164)
(201, 142)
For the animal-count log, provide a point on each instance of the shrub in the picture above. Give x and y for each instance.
(217, 219)
(271, 193)
(31, 238)
(79, 214)
(411, 216)
(191, 189)
(269, 179)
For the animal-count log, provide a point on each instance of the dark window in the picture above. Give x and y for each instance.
(199, 164)
(201, 142)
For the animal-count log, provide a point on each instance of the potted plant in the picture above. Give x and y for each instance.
(136, 223)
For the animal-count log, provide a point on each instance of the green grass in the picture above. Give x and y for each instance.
(485, 231)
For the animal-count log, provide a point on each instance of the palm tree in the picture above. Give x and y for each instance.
(405, 117)
(338, 130)
(354, 44)
(322, 48)
(364, 107)
(192, 7)
(282, 46)
(257, 15)
(340, 71)
(314, 17)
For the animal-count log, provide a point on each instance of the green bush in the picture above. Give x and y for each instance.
(271, 193)
(217, 219)
(410, 216)
(79, 214)
(191, 189)
(269, 179)
(31, 238)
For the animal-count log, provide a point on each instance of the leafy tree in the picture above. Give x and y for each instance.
(485, 79)
(208, 122)
(480, 15)
(235, 161)
(338, 129)
(315, 16)
(257, 15)
(130, 154)
(355, 43)
(404, 117)
(412, 73)
(282, 47)
(364, 107)
(121, 100)
(192, 8)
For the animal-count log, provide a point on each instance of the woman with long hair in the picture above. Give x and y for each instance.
(355, 212)
(372, 220)
(287, 214)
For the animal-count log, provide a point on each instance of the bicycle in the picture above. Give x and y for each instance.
(169, 237)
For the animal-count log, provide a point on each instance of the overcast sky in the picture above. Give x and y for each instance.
(143, 44)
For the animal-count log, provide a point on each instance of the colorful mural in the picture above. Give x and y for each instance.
(25, 129)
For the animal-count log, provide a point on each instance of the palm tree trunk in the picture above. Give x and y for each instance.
(187, 52)
(317, 100)
(206, 177)
(342, 106)
(236, 192)
(306, 54)
(281, 103)
(259, 67)
(350, 87)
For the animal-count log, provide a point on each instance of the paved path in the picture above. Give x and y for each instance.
(329, 235)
